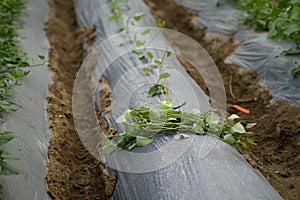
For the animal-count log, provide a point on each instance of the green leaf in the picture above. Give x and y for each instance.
(250, 141)
(244, 144)
(132, 129)
(138, 16)
(246, 134)
(5, 137)
(113, 4)
(108, 147)
(121, 28)
(238, 128)
(161, 23)
(169, 53)
(213, 120)
(16, 74)
(158, 62)
(9, 156)
(111, 17)
(147, 71)
(132, 146)
(296, 71)
(150, 55)
(197, 128)
(41, 57)
(169, 67)
(27, 72)
(154, 91)
(122, 142)
(295, 1)
(291, 28)
(250, 125)
(145, 32)
(164, 75)
(137, 52)
(143, 141)
(177, 136)
(6, 107)
(232, 117)
(123, 118)
(140, 43)
(229, 139)
(141, 57)
(7, 169)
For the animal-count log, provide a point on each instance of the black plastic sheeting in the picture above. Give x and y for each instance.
(201, 167)
(30, 123)
(257, 53)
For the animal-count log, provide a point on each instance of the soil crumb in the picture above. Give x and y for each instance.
(277, 133)
(72, 172)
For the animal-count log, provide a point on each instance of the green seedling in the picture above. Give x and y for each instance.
(160, 86)
(117, 15)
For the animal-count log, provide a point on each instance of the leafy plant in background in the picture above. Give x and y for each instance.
(281, 18)
(6, 169)
(12, 64)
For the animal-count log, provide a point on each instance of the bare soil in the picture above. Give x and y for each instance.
(72, 173)
(277, 133)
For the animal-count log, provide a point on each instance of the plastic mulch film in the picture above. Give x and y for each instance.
(256, 53)
(30, 123)
(201, 167)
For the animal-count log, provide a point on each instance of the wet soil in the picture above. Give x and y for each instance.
(277, 133)
(72, 173)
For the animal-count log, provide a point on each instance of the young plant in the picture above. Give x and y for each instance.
(130, 22)
(160, 86)
(117, 14)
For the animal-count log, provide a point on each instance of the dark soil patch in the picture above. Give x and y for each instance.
(277, 136)
(72, 173)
